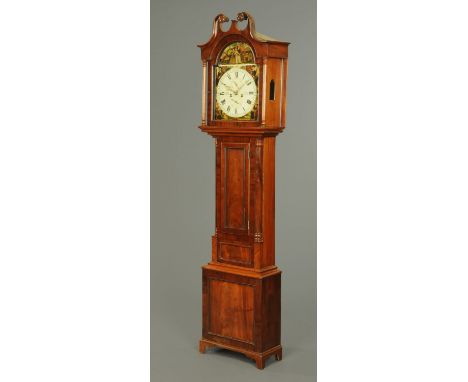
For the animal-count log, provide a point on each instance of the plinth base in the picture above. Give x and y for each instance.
(259, 358)
(242, 312)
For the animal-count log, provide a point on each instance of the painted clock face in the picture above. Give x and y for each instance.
(236, 77)
(236, 93)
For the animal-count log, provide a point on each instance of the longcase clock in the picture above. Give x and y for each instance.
(244, 108)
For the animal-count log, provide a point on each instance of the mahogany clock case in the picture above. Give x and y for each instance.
(242, 284)
(183, 200)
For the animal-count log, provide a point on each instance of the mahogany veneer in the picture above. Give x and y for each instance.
(242, 284)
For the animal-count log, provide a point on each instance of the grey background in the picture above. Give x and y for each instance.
(182, 192)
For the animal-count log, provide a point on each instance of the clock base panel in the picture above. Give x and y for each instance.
(242, 311)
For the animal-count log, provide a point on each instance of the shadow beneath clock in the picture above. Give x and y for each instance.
(218, 352)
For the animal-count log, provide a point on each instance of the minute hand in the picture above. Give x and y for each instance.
(242, 86)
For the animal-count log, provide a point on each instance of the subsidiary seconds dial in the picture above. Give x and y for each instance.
(236, 92)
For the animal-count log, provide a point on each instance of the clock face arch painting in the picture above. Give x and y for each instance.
(236, 83)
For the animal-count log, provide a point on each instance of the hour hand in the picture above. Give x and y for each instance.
(227, 86)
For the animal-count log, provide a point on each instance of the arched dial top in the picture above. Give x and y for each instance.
(236, 53)
(236, 83)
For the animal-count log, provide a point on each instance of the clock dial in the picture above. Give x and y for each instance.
(236, 76)
(236, 93)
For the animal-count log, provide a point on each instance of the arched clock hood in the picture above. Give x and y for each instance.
(263, 45)
(271, 57)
